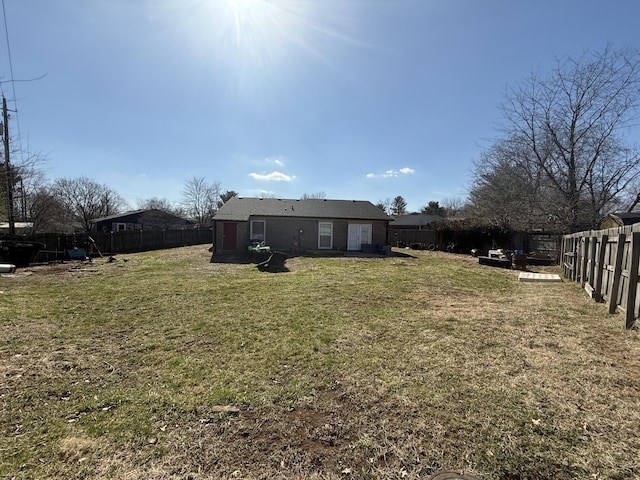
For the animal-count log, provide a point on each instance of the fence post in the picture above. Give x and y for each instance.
(597, 285)
(617, 273)
(566, 244)
(630, 311)
(588, 280)
(576, 258)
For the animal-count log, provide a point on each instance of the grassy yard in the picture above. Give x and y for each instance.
(162, 365)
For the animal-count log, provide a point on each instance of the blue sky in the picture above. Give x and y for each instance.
(359, 99)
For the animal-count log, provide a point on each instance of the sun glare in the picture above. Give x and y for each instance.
(251, 43)
(253, 21)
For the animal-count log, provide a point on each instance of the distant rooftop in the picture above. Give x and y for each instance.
(416, 220)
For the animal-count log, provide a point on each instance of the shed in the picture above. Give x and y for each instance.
(619, 219)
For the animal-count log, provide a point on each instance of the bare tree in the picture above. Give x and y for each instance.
(47, 213)
(25, 178)
(385, 205)
(313, 196)
(454, 206)
(84, 200)
(29, 178)
(509, 193)
(565, 131)
(633, 197)
(162, 204)
(200, 200)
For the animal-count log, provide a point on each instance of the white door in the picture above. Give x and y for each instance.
(357, 235)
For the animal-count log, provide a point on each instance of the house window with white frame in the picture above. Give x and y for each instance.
(258, 230)
(325, 235)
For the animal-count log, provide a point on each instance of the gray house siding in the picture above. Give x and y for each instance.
(298, 235)
(302, 234)
(292, 234)
(380, 233)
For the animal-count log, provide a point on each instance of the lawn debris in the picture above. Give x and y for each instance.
(225, 409)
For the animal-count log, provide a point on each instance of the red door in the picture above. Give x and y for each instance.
(229, 235)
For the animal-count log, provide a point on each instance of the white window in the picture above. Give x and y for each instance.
(119, 227)
(325, 235)
(257, 230)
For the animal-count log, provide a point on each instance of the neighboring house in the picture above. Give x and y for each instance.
(416, 221)
(20, 227)
(619, 219)
(150, 219)
(414, 228)
(299, 226)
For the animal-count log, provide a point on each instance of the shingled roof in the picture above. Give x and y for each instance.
(416, 220)
(240, 209)
(625, 218)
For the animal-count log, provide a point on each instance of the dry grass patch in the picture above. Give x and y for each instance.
(339, 368)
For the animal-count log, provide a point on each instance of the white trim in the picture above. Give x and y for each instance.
(358, 234)
(320, 236)
(262, 236)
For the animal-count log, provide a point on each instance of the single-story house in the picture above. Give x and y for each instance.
(149, 219)
(297, 226)
(619, 219)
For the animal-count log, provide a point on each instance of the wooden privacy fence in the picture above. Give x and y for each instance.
(57, 245)
(605, 262)
(404, 237)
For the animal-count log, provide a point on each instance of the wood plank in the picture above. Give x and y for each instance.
(599, 269)
(590, 290)
(574, 270)
(538, 277)
(590, 277)
(630, 315)
(584, 260)
(617, 270)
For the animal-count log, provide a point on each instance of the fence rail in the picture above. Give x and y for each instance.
(57, 246)
(605, 263)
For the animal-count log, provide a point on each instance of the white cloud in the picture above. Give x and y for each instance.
(278, 161)
(272, 177)
(392, 173)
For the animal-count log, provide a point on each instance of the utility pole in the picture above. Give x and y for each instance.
(7, 167)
